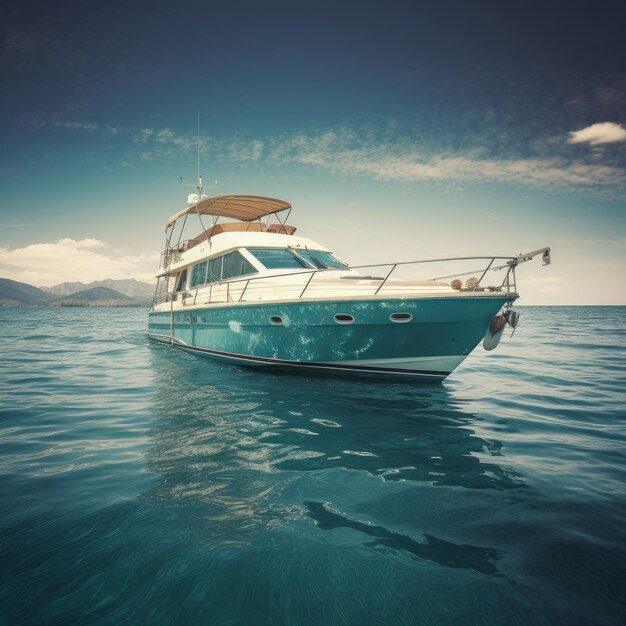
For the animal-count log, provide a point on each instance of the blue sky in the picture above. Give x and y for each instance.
(397, 130)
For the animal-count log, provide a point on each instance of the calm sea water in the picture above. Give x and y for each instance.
(140, 484)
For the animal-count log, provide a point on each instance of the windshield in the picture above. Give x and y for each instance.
(321, 260)
(277, 258)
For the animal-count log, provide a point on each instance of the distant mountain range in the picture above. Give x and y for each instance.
(130, 287)
(13, 293)
(126, 292)
(96, 296)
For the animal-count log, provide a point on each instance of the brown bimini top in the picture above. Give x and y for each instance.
(244, 208)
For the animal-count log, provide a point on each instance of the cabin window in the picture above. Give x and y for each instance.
(321, 260)
(277, 258)
(198, 274)
(236, 265)
(214, 270)
(182, 280)
(223, 267)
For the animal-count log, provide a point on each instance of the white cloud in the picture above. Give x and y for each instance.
(246, 150)
(85, 244)
(387, 154)
(90, 127)
(76, 125)
(596, 134)
(165, 143)
(70, 260)
(403, 160)
(145, 134)
(166, 135)
(11, 223)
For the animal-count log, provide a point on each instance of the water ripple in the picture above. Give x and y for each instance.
(141, 484)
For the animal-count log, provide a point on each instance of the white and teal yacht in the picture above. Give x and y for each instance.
(247, 290)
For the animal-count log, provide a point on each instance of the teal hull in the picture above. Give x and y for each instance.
(441, 334)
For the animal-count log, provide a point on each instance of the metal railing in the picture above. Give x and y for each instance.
(507, 285)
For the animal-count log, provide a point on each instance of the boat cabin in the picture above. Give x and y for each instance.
(245, 236)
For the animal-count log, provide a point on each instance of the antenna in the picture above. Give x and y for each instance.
(193, 198)
(199, 179)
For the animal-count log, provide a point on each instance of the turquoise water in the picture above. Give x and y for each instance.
(141, 484)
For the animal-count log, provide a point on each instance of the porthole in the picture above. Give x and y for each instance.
(276, 320)
(400, 318)
(344, 318)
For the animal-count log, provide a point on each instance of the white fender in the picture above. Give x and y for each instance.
(494, 333)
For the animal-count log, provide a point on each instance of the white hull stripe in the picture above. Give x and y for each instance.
(312, 365)
(426, 363)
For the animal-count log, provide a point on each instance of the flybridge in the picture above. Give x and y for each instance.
(247, 211)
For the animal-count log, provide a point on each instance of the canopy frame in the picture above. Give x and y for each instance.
(250, 209)
(240, 207)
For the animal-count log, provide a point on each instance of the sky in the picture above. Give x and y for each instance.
(397, 130)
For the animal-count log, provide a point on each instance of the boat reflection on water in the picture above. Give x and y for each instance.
(249, 455)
